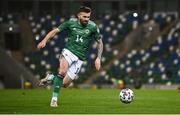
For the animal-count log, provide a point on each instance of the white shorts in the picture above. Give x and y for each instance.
(74, 63)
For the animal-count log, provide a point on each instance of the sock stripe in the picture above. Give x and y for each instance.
(59, 75)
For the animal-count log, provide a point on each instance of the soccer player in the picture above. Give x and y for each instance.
(82, 31)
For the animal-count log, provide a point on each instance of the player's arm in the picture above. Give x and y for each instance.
(50, 35)
(99, 55)
(100, 48)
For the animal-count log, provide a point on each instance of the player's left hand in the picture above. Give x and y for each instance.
(98, 63)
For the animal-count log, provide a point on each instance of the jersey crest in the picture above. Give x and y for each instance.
(87, 31)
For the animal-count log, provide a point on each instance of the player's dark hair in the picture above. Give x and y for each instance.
(84, 9)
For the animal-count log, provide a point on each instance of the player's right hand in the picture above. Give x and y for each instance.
(42, 44)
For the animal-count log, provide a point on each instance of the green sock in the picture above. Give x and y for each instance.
(57, 83)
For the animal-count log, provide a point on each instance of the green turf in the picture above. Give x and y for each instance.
(89, 101)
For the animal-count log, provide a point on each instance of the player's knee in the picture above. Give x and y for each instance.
(62, 72)
(65, 85)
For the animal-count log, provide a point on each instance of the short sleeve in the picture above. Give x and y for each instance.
(64, 26)
(97, 34)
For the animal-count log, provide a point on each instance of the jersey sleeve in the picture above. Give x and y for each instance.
(64, 26)
(97, 34)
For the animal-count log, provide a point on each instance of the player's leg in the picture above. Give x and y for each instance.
(67, 81)
(72, 73)
(58, 80)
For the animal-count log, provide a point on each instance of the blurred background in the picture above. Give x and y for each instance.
(141, 42)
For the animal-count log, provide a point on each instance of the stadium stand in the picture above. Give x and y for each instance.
(114, 29)
(157, 64)
(153, 64)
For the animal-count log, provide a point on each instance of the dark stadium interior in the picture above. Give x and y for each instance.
(141, 42)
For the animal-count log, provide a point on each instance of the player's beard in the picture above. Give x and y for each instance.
(83, 22)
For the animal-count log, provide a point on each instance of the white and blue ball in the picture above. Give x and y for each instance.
(126, 95)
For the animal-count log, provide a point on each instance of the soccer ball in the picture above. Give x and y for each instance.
(126, 95)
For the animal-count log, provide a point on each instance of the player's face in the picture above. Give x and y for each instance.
(84, 17)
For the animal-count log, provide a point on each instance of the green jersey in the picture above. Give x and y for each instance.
(80, 37)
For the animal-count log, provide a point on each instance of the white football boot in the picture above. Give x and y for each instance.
(48, 79)
(53, 103)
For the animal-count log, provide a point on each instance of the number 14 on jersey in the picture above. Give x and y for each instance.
(79, 38)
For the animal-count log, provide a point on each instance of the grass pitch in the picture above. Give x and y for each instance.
(88, 101)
